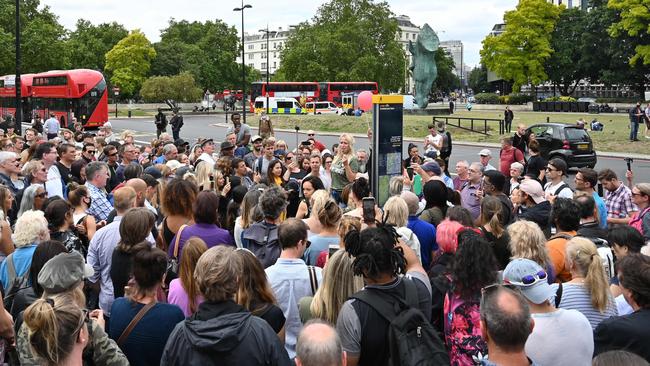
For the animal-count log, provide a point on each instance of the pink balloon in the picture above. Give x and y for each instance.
(365, 100)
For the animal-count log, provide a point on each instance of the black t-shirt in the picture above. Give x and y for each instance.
(272, 314)
(630, 333)
(65, 172)
(121, 269)
(500, 247)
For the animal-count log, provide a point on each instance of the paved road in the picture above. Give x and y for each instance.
(214, 127)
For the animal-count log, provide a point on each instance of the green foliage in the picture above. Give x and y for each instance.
(89, 43)
(520, 53)
(616, 100)
(517, 98)
(207, 50)
(43, 44)
(477, 80)
(487, 98)
(562, 98)
(634, 20)
(347, 40)
(129, 62)
(180, 88)
(567, 66)
(446, 80)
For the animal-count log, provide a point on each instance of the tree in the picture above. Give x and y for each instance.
(634, 19)
(520, 52)
(206, 50)
(446, 80)
(129, 62)
(180, 88)
(89, 43)
(477, 80)
(347, 40)
(43, 44)
(567, 65)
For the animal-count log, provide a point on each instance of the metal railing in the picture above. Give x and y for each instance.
(477, 125)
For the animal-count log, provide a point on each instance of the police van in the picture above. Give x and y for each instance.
(321, 108)
(278, 105)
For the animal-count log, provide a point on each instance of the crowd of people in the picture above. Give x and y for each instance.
(248, 251)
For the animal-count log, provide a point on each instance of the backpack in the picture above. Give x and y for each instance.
(14, 282)
(462, 330)
(412, 340)
(262, 239)
(605, 254)
(560, 188)
(637, 221)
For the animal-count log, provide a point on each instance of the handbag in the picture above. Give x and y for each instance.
(173, 262)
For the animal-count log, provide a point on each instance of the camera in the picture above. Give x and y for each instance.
(629, 162)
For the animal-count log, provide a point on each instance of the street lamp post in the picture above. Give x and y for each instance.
(243, 53)
(19, 105)
(266, 33)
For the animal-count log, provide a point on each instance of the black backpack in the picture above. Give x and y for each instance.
(412, 340)
(14, 282)
(262, 240)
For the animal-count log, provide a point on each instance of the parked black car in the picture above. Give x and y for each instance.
(568, 142)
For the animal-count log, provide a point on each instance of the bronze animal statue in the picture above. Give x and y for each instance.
(423, 66)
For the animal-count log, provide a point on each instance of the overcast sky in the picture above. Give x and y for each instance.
(466, 20)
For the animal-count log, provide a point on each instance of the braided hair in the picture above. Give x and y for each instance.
(375, 251)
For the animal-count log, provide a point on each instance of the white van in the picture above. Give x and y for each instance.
(278, 105)
(321, 108)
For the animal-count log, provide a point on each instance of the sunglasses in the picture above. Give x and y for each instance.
(113, 154)
(41, 195)
(549, 169)
(528, 280)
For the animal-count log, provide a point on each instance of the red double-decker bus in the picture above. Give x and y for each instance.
(290, 89)
(66, 93)
(8, 95)
(333, 90)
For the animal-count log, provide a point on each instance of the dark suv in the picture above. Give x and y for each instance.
(568, 142)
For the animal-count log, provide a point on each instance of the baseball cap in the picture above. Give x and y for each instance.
(485, 152)
(65, 130)
(106, 125)
(533, 188)
(63, 272)
(530, 278)
(432, 167)
(227, 145)
(310, 132)
(255, 138)
(181, 142)
(153, 171)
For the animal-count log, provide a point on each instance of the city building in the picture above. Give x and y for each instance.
(407, 32)
(582, 4)
(455, 50)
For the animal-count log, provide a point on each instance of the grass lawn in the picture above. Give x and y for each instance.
(613, 138)
(125, 112)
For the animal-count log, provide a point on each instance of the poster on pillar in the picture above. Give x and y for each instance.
(388, 119)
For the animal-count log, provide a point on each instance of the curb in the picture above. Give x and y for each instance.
(605, 154)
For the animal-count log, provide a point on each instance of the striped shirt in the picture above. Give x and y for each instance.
(577, 297)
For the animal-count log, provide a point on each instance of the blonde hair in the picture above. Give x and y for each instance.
(396, 211)
(643, 188)
(31, 228)
(318, 200)
(583, 253)
(342, 156)
(53, 327)
(339, 283)
(347, 224)
(192, 250)
(203, 173)
(528, 241)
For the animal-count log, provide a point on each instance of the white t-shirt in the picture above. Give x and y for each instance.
(550, 189)
(563, 337)
(437, 139)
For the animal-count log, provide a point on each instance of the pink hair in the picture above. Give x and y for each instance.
(447, 235)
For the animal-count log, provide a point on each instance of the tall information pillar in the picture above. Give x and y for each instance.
(387, 139)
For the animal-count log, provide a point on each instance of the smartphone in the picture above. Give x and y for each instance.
(368, 209)
(409, 171)
(212, 182)
(332, 249)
